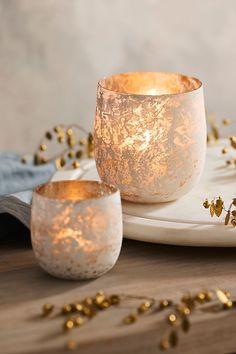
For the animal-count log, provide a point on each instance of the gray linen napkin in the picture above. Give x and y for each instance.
(16, 183)
(17, 177)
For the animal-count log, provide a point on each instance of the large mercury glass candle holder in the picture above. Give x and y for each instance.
(150, 134)
(76, 228)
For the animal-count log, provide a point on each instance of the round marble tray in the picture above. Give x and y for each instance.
(185, 221)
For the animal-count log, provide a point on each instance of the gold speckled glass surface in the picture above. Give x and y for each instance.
(150, 134)
(76, 228)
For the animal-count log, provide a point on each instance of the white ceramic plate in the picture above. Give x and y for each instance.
(185, 221)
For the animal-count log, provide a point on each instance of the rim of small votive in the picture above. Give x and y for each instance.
(100, 84)
(38, 190)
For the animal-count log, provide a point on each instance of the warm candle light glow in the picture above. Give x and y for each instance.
(150, 134)
(76, 228)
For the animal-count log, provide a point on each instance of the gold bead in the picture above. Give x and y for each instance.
(172, 318)
(48, 135)
(71, 344)
(61, 139)
(99, 298)
(164, 304)
(173, 339)
(226, 121)
(130, 318)
(114, 299)
(228, 305)
(144, 307)
(88, 301)
(79, 154)
(165, 344)
(78, 321)
(71, 154)
(208, 295)
(201, 297)
(224, 150)
(71, 141)
(82, 142)
(183, 310)
(69, 132)
(185, 324)
(42, 147)
(233, 222)
(206, 204)
(78, 307)
(47, 309)
(44, 160)
(233, 141)
(88, 312)
(105, 304)
(58, 129)
(68, 325)
(67, 309)
(24, 159)
(76, 164)
(227, 293)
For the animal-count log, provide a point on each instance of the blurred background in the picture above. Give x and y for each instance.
(53, 52)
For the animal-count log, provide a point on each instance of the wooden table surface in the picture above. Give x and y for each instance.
(142, 269)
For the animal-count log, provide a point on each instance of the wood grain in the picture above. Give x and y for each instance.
(160, 271)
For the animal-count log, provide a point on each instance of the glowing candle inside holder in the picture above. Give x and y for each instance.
(76, 228)
(150, 134)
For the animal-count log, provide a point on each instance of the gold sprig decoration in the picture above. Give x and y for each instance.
(226, 150)
(177, 319)
(65, 146)
(213, 134)
(217, 206)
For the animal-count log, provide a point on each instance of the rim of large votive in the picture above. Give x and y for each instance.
(40, 190)
(101, 83)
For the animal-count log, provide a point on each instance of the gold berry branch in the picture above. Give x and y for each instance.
(71, 143)
(217, 206)
(78, 313)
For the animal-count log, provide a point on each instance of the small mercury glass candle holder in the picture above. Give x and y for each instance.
(76, 228)
(150, 134)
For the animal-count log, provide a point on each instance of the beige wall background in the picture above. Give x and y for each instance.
(52, 53)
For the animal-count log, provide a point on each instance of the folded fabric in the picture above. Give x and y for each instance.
(17, 177)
